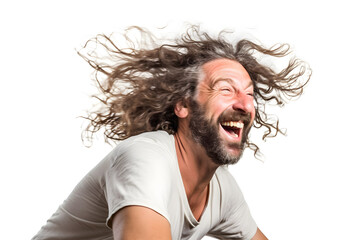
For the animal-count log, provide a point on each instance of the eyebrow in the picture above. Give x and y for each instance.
(229, 80)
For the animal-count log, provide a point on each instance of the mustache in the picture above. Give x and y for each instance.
(233, 115)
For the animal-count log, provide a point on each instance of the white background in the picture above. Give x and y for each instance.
(308, 186)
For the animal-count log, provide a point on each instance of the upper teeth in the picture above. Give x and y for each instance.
(233, 124)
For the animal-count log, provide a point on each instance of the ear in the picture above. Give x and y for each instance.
(181, 110)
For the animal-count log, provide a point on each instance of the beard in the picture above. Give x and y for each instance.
(206, 133)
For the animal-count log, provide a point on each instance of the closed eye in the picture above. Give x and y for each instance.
(224, 86)
(226, 91)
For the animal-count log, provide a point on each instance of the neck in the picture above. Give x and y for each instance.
(196, 170)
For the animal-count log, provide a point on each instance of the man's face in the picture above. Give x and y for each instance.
(223, 111)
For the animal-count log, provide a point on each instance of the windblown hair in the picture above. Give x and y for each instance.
(141, 85)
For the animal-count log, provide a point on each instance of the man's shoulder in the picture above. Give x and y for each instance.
(142, 157)
(141, 173)
(145, 148)
(160, 138)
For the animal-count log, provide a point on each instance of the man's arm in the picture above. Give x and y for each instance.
(259, 235)
(137, 223)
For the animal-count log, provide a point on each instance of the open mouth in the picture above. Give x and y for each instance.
(233, 128)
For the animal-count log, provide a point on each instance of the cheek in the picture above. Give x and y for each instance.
(214, 109)
(209, 98)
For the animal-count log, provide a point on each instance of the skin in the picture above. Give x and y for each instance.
(224, 85)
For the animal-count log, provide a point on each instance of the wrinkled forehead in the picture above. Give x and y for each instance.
(224, 69)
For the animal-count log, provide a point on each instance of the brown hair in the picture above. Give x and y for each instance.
(142, 85)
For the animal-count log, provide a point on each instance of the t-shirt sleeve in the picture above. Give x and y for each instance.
(139, 175)
(237, 222)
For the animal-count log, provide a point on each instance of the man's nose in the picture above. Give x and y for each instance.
(244, 103)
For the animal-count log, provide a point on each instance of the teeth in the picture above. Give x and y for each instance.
(233, 124)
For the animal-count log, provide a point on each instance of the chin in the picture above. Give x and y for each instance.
(225, 156)
(234, 158)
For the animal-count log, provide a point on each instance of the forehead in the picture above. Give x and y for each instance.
(226, 69)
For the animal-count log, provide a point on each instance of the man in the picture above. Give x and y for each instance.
(184, 111)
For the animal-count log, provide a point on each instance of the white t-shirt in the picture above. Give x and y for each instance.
(143, 170)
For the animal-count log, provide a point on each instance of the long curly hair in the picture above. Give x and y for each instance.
(141, 84)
